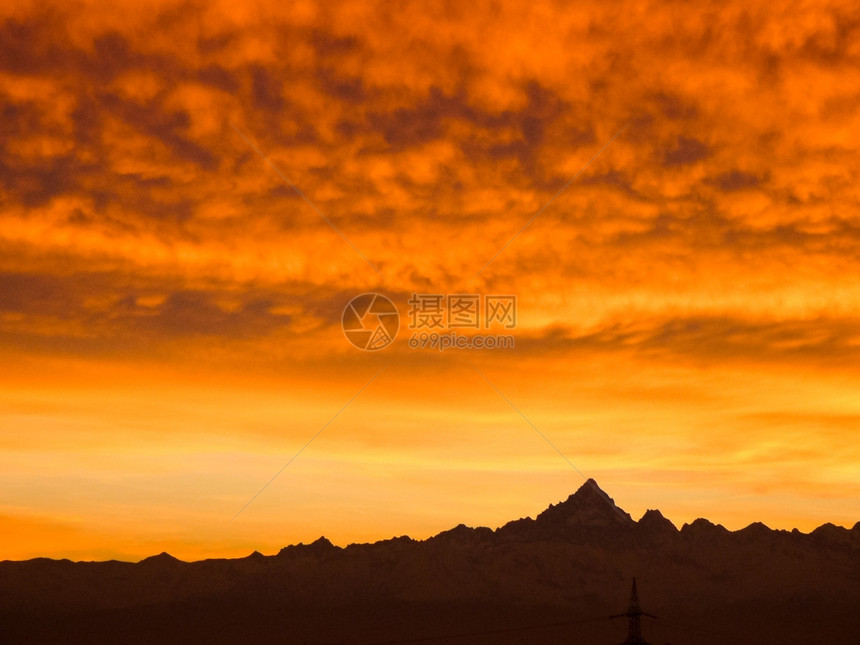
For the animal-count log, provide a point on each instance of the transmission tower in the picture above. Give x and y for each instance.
(634, 614)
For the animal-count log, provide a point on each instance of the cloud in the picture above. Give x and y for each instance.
(685, 151)
(383, 141)
(707, 340)
(719, 232)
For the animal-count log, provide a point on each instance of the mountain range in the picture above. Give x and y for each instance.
(554, 578)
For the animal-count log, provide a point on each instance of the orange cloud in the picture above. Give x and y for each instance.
(690, 295)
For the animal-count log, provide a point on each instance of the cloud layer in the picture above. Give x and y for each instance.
(402, 150)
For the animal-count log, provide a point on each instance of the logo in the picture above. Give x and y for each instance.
(370, 321)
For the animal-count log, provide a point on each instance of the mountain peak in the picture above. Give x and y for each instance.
(591, 490)
(704, 530)
(654, 522)
(162, 558)
(588, 511)
(319, 547)
(832, 533)
(591, 496)
(463, 535)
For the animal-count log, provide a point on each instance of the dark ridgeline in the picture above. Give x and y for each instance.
(553, 579)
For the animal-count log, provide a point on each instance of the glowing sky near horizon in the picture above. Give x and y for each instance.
(688, 308)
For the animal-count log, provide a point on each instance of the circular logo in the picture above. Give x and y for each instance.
(370, 321)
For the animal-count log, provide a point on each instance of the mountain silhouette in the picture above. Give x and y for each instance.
(588, 513)
(554, 578)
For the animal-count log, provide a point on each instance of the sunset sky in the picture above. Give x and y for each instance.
(688, 308)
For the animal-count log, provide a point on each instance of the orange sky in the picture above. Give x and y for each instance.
(170, 309)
